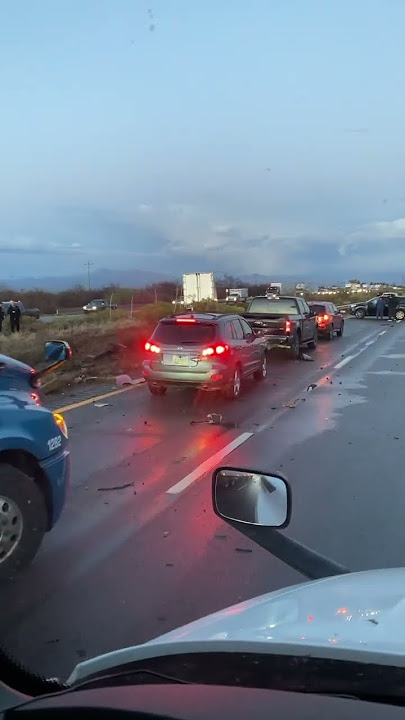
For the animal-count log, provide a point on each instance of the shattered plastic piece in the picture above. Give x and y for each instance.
(292, 404)
(115, 487)
(306, 357)
(214, 418)
(101, 405)
(165, 534)
(121, 380)
(243, 550)
(312, 386)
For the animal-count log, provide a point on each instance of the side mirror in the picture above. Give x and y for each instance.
(57, 351)
(251, 497)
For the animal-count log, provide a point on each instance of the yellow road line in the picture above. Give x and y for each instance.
(91, 400)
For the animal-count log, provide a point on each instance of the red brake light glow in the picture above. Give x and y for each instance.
(287, 326)
(322, 318)
(217, 350)
(186, 320)
(152, 348)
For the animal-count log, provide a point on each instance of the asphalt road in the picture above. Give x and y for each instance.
(125, 565)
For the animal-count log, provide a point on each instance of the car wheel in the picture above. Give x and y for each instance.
(232, 391)
(295, 347)
(314, 342)
(400, 314)
(157, 390)
(23, 520)
(360, 313)
(340, 332)
(331, 334)
(261, 374)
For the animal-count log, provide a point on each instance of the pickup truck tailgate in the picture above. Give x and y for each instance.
(266, 325)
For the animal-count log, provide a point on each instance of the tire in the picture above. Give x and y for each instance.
(340, 332)
(331, 334)
(23, 520)
(232, 391)
(400, 314)
(157, 390)
(360, 313)
(314, 342)
(261, 374)
(295, 347)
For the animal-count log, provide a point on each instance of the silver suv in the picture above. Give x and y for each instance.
(208, 351)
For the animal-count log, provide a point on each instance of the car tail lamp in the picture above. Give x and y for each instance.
(287, 326)
(186, 320)
(60, 423)
(215, 350)
(151, 347)
(322, 318)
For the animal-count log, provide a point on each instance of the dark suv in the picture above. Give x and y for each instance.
(208, 351)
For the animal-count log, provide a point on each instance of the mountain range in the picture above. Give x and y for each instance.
(133, 277)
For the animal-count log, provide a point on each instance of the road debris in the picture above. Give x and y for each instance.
(101, 405)
(312, 386)
(292, 404)
(307, 358)
(166, 534)
(122, 380)
(115, 487)
(243, 550)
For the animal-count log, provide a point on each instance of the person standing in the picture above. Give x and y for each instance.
(392, 306)
(15, 316)
(2, 316)
(380, 308)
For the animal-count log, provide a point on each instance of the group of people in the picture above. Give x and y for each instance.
(14, 313)
(391, 302)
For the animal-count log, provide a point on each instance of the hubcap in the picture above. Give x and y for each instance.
(236, 383)
(400, 315)
(11, 527)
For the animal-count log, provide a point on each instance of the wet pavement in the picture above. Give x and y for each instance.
(139, 551)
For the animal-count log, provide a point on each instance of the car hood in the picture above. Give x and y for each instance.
(358, 616)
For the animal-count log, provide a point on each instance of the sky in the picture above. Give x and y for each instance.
(262, 137)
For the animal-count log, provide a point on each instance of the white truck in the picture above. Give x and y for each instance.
(198, 287)
(235, 295)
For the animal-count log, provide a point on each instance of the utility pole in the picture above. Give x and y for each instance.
(88, 265)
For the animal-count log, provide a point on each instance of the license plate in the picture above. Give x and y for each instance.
(179, 360)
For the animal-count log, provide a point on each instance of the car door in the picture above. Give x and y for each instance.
(309, 321)
(337, 317)
(242, 348)
(255, 345)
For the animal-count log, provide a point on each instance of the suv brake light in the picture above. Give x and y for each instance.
(216, 350)
(322, 318)
(287, 326)
(186, 320)
(151, 347)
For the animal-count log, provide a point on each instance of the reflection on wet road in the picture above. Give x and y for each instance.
(126, 565)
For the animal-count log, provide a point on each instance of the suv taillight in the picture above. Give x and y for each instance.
(151, 347)
(287, 326)
(215, 350)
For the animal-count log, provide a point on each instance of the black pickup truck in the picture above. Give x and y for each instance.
(284, 322)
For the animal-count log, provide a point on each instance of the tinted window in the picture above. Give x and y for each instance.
(247, 330)
(237, 328)
(318, 308)
(184, 334)
(227, 331)
(267, 306)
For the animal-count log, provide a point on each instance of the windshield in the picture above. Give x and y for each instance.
(154, 158)
(273, 307)
(173, 333)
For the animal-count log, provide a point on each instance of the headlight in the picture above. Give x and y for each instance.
(60, 422)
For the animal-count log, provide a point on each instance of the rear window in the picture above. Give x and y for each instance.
(184, 334)
(273, 307)
(318, 308)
